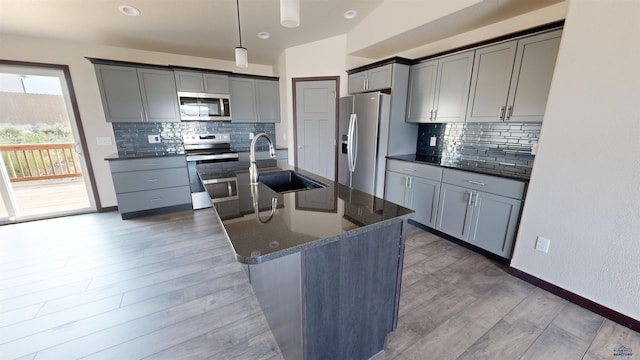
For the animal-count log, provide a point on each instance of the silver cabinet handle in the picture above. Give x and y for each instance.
(435, 114)
(155, 199)
(431, 114)
(149, 164)
(502, 109)
(142, 116)
(509, 112)
(470, 198)
(407, 169)
(152, 180)
(476, 182)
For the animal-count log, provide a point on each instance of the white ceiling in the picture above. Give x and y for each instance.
(208, 28)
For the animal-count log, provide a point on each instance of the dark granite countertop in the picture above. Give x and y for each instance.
(303, 219)
(114, 157)
(502, 170)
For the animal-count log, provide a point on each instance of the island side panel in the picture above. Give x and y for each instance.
(277, 286)
(350, 293)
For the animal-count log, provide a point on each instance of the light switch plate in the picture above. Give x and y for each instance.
(103, 141)
(154, 139)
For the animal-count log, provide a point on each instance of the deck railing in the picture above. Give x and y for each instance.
(40, 161)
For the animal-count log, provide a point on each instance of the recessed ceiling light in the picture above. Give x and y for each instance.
(350, 14)
(129, 10)
(264, 35)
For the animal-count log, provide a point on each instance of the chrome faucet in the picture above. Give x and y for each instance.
(253, 169)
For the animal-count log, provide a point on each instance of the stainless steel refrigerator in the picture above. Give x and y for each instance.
(364, 120)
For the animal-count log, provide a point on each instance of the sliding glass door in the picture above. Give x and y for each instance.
(43, 171)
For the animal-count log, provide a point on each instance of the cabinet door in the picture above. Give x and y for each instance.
(379, 78)
(532, 74)
(159, 95)
(120, 92)
(395, 186)
(493, 224)
(243, 100)
(268, 100)
(422, 86)
(454, 211)
(490, 80)
(189, 81)
(357, 82)
(452, 87)
(423, 199)
(216, 84)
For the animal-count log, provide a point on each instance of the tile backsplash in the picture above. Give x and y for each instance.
(133, 138)
(482, 145)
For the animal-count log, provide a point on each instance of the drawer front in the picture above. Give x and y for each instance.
(147, 163)
(153, 199)
(150, 179)
(487, 183)
(415, 169)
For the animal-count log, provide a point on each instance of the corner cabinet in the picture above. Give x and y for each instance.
(439, 89)
(151, 185)
(511, 80)
(415, 186)
(378, 78)
(254, 100)
(194, 81)
(134, 94)
(482, 210)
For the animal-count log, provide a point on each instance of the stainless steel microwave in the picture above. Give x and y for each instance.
(202, 106)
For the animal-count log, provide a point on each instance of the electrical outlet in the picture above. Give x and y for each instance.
(103, 141)
(432, 141)
(542, 244)
(534, 148)
(154, 139)
(250, 136)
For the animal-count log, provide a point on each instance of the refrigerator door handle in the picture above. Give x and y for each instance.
(354, 156)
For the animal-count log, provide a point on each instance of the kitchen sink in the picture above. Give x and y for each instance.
(288, 181)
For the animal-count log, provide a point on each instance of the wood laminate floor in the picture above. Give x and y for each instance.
(168, 287)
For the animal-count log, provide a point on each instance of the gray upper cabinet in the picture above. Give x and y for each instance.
(511, 80)
(492, 70)
(371, 80)
(254, 100)
(243, 99)
(422, 87)
(132, 94)
(194, 81)
(439, 89)
(532, 74)
(268, 100)
(159, 95)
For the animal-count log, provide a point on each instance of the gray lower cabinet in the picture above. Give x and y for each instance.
(416, 187)
(254, 100)
(482, 210)
(151, 185)
(131, 94)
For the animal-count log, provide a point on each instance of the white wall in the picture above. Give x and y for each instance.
(86, 87)
(321, 58)
(584, 193)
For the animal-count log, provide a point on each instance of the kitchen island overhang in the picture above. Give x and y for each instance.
(326, 266)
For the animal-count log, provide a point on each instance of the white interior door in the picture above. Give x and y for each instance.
(44, 173)
(316, 126)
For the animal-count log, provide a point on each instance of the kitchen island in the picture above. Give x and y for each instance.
(325, 264)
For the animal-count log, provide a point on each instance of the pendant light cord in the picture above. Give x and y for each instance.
(239, 32)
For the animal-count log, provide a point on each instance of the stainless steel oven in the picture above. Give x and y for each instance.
(203, 106)
(211, 164)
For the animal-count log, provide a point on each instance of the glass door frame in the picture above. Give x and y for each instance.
(75, 122)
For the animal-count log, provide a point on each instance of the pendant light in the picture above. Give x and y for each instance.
(242, 57)
(290, 13)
